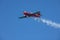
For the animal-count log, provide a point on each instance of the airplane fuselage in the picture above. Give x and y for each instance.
(32, 15)
(27, 14)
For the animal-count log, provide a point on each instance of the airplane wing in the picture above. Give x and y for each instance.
(22, 17)
(38, 12)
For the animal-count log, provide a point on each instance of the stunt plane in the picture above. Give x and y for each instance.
(29, 14)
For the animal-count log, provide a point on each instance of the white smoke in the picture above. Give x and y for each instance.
(48, 22)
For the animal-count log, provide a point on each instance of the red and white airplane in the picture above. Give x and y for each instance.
(27, 14)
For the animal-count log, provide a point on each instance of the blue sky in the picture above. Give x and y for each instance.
(12, 28)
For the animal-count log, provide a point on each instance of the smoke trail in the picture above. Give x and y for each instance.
(48, 22)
